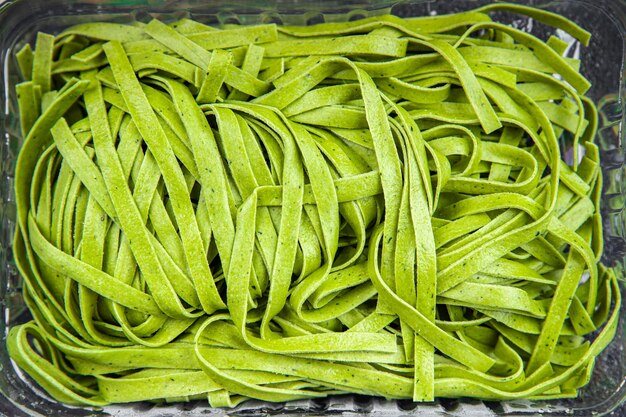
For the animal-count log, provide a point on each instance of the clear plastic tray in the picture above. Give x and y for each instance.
(603, 63)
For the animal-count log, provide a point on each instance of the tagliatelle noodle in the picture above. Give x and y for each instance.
(405, 208)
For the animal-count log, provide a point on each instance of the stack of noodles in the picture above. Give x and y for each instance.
(405, 208)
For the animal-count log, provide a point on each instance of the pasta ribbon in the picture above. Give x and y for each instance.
(404, 208)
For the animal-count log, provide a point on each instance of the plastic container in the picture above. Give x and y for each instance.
(602, 63)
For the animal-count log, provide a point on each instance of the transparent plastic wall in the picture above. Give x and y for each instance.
(602, 64)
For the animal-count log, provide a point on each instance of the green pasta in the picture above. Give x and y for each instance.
(405, 208)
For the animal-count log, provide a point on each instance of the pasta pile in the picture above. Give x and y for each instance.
(405, 208)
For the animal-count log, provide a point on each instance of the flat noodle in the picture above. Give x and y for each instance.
(380, 207)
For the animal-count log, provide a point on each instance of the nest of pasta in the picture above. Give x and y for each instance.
(379, 207)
